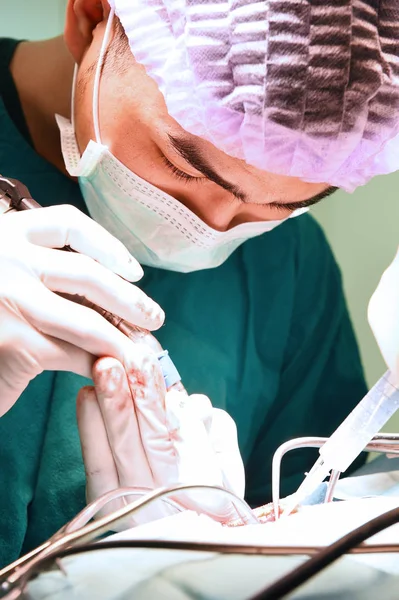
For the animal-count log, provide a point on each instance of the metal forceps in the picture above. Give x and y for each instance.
(73, 538)
(383, 443)
(79, 531)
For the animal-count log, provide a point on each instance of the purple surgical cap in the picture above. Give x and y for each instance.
(307, 88)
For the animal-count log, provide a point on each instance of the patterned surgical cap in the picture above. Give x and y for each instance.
(307, 88)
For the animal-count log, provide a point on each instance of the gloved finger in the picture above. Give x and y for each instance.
(62, 356)
(383, 316)
(224, 441)
(127, 442)
(65, 225)
(100, 468)
(222, 432)
(78, 274)
(197, 464)
(192, 447)
(80, 326)
(25, 353)
(147, 387)
(201, 408)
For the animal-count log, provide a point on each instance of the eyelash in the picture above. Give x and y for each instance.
(284, 207)
(181, 174)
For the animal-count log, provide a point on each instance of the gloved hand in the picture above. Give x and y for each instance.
(135, 434)
(383, 316)
(39, 330)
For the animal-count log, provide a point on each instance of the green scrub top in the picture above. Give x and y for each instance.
(266, 336)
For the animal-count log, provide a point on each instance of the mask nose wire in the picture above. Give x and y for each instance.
(96, 89)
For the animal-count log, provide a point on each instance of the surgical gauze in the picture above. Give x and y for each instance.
(302, 88)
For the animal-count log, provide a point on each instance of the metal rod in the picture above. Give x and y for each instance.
(332, 482)
(382, 443)
(15, 592)
(104, 524)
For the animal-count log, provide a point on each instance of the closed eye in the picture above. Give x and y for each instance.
(179, 174)
(284, 207)
(304, 203)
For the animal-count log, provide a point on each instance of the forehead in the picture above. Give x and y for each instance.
(133, 100)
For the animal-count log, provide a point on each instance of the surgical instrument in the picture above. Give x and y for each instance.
(75, 533)
(53, 560)
(351, 437)
(15, 196)
(382, 443)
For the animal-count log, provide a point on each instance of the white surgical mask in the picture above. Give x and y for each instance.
(158, 230)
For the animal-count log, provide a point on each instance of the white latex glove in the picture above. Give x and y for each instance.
(39, 330)
(383, 316)
(135, 434)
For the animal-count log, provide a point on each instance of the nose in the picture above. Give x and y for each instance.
(218, 211)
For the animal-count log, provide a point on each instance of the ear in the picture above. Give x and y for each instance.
(82, 17)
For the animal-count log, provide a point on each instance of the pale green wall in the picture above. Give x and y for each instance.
(31, 19)
(362, 227)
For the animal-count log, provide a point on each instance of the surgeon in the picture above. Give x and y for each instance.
(197, 131)
(383, 316)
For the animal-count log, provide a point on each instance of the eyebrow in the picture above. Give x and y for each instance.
(192, 155)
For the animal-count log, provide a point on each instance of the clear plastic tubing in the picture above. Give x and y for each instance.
(361, 425)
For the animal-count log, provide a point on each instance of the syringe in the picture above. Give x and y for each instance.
(351, 437)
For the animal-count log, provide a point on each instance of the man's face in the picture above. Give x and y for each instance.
(135, 125)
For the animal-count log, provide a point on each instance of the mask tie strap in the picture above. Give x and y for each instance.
(74, 81)
(95, 109)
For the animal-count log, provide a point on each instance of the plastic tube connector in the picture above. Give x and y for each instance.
(170, 373)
